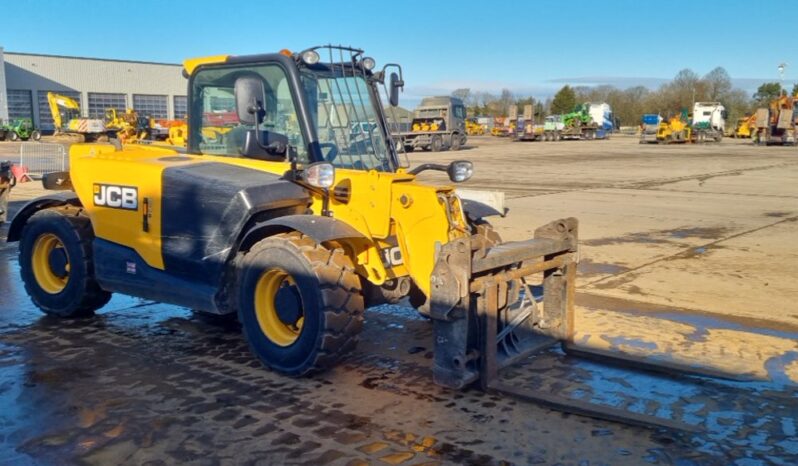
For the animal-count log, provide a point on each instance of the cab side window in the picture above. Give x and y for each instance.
(215, 126)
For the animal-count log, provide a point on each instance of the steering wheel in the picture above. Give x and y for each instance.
(333, 151)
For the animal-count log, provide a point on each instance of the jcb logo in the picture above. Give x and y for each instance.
(392, 256)
(117, 197)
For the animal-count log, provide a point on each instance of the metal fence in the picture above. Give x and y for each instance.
(42, 158)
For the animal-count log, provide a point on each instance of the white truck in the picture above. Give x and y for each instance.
(709, 121)
(602, 115)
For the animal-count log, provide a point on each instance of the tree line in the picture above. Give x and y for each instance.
(629, 105)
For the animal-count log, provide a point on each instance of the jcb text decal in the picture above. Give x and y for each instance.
(116, 197)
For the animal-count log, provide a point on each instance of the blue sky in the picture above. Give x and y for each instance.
(531, 47)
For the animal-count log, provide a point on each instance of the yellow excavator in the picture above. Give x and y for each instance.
(68, 121)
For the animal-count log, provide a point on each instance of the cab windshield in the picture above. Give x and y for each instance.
(343, 109)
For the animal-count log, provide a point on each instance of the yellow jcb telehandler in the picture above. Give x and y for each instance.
(297, 224)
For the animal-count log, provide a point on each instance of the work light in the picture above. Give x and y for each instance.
(320, 175)
(310, 57)
(368, 63)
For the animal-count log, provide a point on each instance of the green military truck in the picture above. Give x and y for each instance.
(438, 123)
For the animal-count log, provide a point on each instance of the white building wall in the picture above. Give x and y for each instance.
(43, 73)
(3, 94)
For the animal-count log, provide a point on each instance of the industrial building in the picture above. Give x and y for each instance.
(153, 89)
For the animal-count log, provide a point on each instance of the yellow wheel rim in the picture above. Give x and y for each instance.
(279, 332)
(46, 277)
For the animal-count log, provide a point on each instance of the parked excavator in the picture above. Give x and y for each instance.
(69, 123)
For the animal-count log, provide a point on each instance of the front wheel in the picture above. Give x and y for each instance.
(13, 136)
(56, 264)
(300, 304)
(36, 135)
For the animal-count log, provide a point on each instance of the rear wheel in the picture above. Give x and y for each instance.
(36, 135)
(13, 136)
(436, 144)
(456, 142)
(409, 149)
(300, 304)
(56, 264)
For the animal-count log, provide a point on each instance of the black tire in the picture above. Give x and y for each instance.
(13, 136)
(457, 142)
(326, 290)
(436, 144)
(409, 149)
(36, 135)
(81, 295)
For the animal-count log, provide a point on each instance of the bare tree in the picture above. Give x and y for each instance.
(718, 84)
(462, 93)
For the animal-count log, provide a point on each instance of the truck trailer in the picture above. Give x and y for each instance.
(526, 129)
(778, 124)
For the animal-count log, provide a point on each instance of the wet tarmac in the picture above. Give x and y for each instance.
(145, 383)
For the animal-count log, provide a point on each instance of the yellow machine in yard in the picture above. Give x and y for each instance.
(675, 130)
(473, 128)
(745, 127)
(297, 224)
(68, 121)
(129, 126)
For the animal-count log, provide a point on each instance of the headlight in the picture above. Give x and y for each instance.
(310, 57)
(460, 170)
(320, 175)
(368, 63)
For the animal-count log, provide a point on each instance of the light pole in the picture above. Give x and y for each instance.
(781, 68)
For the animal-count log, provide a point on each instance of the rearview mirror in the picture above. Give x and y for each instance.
(395, 85)
(250, 96)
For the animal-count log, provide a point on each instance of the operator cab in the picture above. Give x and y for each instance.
(294, 107)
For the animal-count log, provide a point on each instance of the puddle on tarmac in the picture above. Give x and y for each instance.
(587, 267)
(712, 233)
(777, 214)
(703, 322)
(671, 236)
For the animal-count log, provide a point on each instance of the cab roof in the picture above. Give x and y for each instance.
(191, 64)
